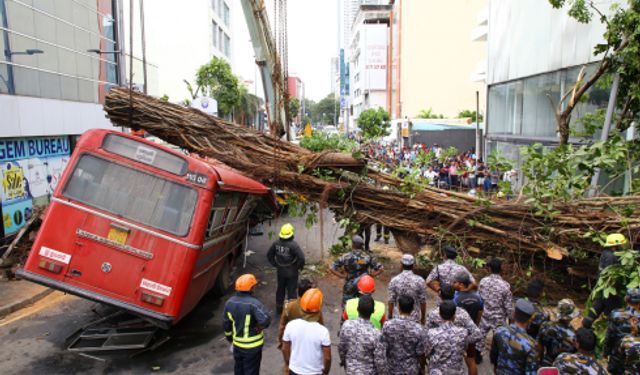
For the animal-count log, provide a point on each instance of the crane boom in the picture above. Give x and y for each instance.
(270, 66)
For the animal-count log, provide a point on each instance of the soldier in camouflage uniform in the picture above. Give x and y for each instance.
(446, 344)
(352, 265)
(513, 351)
(361, 348)
(461, 319)
(558, 337)
(498, 303)
(409, 284)
(618, 327)
(629, 350)
(582, 362)
(534, 291)
(404, 339)
(444, 273)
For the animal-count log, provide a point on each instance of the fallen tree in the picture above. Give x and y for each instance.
(344, 183)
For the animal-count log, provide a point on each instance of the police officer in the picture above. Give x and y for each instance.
(618, 327)
(405, 340)
(513, 351)
(444, 273)
(244, 320)
(558, 337)
(629, 350)
(583, 361)
(461, 318)
(361, 348)
(366, 286)
(285, 254)
(446, 344)
(535, 288)
(352, 265)
(409, 284)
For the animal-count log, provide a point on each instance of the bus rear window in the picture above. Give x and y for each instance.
(132, 194)
(143, 153)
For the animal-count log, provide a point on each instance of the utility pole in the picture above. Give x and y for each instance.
(144, 46)
(478, 136)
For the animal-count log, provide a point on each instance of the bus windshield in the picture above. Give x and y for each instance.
(132, 194)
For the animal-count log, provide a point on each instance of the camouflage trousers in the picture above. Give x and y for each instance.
(485, 327)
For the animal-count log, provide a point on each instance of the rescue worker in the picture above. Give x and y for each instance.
(558, 337)
(366, 286)
(445, 272)
(404, 339)
(285, 254)
(618, 327)
(409, 284)
(244, 320)
(613, 243)
(352, 265)
(293, 311)
(583, 360)
(498, 303)
(513, 351)
(446, 344)
(382, 231)
(361, 347)
(629, 350)
(534, 291)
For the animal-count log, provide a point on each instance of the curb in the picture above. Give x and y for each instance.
(13, 307)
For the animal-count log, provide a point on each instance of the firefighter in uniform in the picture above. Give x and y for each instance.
(366, 286)
(352, 265)
(244, 320)
(285, 254)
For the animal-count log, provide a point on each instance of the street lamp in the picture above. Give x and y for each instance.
(100, 52)
(25, 52)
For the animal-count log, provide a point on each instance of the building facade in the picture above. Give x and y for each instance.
(433, 57)
(57, 63)
(295, 88)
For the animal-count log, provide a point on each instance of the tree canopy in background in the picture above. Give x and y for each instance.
(374, 123)
(216, 80)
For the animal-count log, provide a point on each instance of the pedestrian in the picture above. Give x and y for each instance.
(286, 255)
(629, 350)
(559, 336)
(618, 327)
(293, 311)
(244, 319)
(445, 272)
(361, 347)
(583, 360)
(404, 339)
(352, 265)
(366, 286)
(535, 288)
(409, 284)
(498, 303)
(365, 233)
(614, 242)
(470, 301)
(446, 344)
(513, 351)
(306, 342)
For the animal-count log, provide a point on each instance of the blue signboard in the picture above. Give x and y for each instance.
(27, 148)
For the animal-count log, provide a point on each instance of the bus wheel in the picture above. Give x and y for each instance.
(223, 281)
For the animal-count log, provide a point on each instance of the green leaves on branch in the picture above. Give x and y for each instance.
(428, 113)
(216, 80)
(320, 141)
(374, 123)
(616, 279)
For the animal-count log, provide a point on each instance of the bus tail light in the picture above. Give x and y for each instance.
(152, 299)
(50, 266)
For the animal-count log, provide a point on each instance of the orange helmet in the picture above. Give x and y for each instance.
(366, 284)
(246, 282)
(311, 300)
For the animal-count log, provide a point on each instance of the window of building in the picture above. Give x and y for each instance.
(225, 14)
(227, 45)
(214, 28)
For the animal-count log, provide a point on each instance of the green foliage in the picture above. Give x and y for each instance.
(448, 153)
(425, 158)
(428, 113)
(294, 107)
(325, 111)
(344, 244)
(164, 98)
(616, 279)
(374, 123)
(588, 124)
(297, 206)
(497, 160)
(411, 181)
(469, 113)
(578, 9)
(216, 80)
(320, 141)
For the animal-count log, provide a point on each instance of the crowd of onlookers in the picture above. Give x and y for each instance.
(443, 167)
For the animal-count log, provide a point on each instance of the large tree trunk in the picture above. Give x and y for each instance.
(407, 242)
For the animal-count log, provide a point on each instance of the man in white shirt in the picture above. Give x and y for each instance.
(306, 343)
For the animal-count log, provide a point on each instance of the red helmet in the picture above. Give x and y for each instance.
(366, 284)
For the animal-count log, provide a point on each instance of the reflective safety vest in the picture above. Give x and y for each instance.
(245, 341)
(376, 318)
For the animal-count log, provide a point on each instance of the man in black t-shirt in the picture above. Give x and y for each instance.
(472, 303)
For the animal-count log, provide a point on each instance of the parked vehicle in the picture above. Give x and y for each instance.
(143, 227)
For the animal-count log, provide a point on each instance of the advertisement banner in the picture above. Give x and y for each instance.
(27, 148)
(13, 182)
(15, 215)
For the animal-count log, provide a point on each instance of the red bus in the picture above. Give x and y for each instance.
(143, 227)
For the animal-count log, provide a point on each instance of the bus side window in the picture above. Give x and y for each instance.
(218, 214)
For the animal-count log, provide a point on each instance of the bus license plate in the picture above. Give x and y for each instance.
(118, 235)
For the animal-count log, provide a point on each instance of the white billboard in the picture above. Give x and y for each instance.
(375, 56)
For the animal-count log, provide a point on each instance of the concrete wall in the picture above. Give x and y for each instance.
(438, 56)
(461, 139)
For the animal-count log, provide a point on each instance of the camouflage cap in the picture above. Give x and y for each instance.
(407, 260)
(524, 307)
(633, 294)
(567, 310)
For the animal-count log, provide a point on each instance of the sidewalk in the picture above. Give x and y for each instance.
(15, 295)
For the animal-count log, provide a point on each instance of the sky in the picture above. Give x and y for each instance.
(313, 41)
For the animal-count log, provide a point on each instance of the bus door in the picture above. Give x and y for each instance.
(130, 219)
